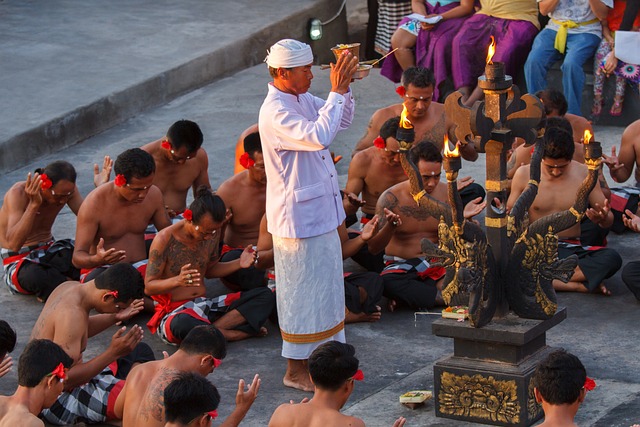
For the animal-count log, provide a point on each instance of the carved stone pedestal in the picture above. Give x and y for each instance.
(487, 380)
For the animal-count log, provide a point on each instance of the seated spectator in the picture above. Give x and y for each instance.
(390, 12)
(7, 344)
(512, 23)
(140, 403)
(560, 385)
(572, 35)
(41, 374)
(181, 257)
(432, 42)
(190, 401)
(333, 368)
(606, 63)
(621, 165)
(560, 179)
(427, 117)
(245, 197)
(408, 277)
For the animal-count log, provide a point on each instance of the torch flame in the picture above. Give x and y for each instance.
(404, 122)
(450, 153)
(587, 136)
(492, 50)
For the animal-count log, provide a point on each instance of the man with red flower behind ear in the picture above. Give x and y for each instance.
(114, 216)
(35, 263)
(181, 164)
(41, 375)
(244, 195)
(427, 117)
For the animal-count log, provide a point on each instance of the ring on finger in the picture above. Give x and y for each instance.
(189, 282)
(189, 276)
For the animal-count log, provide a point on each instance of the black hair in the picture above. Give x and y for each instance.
(189, 396)
(389, 128)
(553, 99)
(560, 123)
(7, 339)
(134, 163)
(205, 339)
(252, 144)
(558, 144)
(427, 151)
(185, 133)
(59, 170)
(331, 364)
(40, 358)
(207, 203)
(124, 278)
(560, 378)
(419, 77)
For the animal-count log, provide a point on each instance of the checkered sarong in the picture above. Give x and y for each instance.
(11, 261)
(91, 402)
(390, 12)
(199, 308)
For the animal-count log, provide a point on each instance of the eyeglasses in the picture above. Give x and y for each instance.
(145, 188)
(61, 196)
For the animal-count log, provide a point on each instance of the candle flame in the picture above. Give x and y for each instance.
(404, 122)
(492, 50)
(587, 136)
(450, 153)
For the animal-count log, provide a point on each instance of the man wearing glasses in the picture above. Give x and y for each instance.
(34, 262)
(426, 116)
(181, 164)
(113, 218)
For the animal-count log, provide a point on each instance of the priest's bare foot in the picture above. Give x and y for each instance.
(297, 375)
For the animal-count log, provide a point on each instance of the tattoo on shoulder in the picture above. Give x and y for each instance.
(153, 402)
(155, 260)
(415, 211)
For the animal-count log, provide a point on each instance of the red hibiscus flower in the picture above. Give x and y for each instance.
(400, 90)
(45, 182)
(59, 372)
(187, 214)
(379, 142)
(246, 161)
(213, 414)
(166, 145)
(120, 180)
(589, 384)
(358, 376)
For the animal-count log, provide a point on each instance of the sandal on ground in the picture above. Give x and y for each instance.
(597, 105)
(616, 108)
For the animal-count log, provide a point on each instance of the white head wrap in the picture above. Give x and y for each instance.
(289, 53)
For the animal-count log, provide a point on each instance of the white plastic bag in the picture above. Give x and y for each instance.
(627, 46)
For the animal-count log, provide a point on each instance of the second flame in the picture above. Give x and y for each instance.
(450, 153)
(404, 122)
(587, 136)
(492, 50)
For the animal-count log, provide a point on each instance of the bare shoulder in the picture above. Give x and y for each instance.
(151, 147)
(16, 193)
(353, 421)
(362, 159)
(164, 236)
(384, 114)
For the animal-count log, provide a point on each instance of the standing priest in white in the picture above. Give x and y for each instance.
(304, 205)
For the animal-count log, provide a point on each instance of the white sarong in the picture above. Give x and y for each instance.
(310, 292)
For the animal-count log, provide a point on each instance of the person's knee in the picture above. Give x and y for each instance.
(182, 324)
(571, 65)
(612, 259)
(631, 277)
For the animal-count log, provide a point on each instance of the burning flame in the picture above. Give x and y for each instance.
(587, 136)
(492, 50)
(450, 153)
(404, 122)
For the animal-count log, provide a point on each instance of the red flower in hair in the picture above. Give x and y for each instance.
(187, 214)
(246, 161)
(400, 90)
(216, 362)
(114, 294)
(213, 414)
(589, 384)
(45, 182)
(120, 180)
(358, 376)
(379, 142)
(166, 145)
(59, 372)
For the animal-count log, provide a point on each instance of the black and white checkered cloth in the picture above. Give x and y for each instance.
(390, 12)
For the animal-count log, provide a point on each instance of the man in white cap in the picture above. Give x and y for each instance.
(304, 204)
